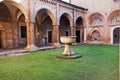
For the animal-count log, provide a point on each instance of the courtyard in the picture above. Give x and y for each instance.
(98, 62)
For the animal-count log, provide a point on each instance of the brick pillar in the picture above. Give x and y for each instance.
(106, 37)
(85, 35)
(72, 30)
(30, 37)
(15, 33)
(87, 28)
(56, 37)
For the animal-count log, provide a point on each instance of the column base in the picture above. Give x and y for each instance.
(57, 45)
(31, 48)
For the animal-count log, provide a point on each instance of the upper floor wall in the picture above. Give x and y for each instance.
(102, 6)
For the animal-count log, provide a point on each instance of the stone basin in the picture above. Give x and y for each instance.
(67, 39)
(68, 52)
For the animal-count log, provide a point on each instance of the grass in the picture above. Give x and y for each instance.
(98, 62)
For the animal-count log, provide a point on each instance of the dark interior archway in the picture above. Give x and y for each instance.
(22, 29)
(116, 36)
(79, 30)
(64, 26)
(44, 29)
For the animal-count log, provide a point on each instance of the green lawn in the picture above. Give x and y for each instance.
(98, 62)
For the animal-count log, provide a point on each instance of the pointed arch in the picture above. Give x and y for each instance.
(65, 25)
(96, 34)
(67, 15)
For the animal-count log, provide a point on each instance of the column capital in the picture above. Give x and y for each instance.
(55, 24)
(30, 21)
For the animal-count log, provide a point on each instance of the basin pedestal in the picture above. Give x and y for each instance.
(68, 49)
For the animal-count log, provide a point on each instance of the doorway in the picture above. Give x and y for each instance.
(116, 36)
(49, 36)
(78, 36)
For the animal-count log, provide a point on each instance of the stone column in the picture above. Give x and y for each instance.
(56, 37)
(30, 37)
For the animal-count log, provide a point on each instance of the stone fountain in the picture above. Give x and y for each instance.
(68, 52)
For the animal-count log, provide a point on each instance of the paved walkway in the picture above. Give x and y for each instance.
(16, 52)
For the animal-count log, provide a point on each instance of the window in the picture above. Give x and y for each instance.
(23, 31)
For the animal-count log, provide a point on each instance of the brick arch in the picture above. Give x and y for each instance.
(96, 19)
(48, 12)
(18, 5)
(68, 17)
(18, 14)
(112, 17)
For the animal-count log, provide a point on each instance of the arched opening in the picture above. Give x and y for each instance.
(10, 19)
(64, 26)
(116, 36)
(22, 31)
(79, 30)
(44, 28)
(114, 23)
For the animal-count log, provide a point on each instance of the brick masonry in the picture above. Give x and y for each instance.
(33, 23)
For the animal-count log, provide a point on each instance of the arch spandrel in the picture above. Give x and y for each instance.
(78, 14)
